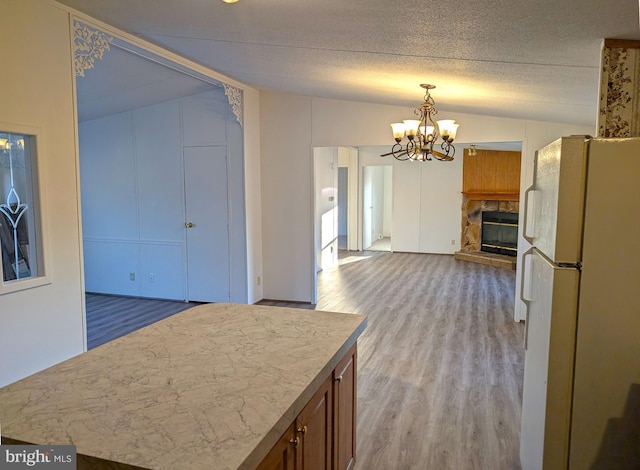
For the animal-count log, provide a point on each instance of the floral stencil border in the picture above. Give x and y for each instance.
(619, 93)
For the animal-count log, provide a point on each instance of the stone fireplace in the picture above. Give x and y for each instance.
(471, 238)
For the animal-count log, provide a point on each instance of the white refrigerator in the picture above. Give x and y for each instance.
(581, 287)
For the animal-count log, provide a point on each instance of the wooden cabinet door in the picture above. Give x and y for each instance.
(314, 426)
(344, 412)
(283, 454)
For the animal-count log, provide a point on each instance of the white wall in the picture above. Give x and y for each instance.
(287, 196)
(132, 202)
(292, 125)
(441, 196)
(44, 325)
(253, 195)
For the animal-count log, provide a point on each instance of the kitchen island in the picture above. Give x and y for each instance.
(213, 387)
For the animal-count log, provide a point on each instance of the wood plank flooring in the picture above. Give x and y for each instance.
(109, 316)
(440, 365)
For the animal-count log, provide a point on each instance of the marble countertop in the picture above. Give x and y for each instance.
(213, 387)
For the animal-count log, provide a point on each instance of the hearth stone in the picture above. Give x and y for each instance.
(491, 259)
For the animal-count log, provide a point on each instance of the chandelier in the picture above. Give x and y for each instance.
(423, 133)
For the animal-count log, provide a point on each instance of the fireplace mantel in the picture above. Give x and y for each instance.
(489, 196)
(492, 175)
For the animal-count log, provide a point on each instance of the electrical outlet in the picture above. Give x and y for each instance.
(453, 242)
(151, 278)
(258, 280)
(132, 276)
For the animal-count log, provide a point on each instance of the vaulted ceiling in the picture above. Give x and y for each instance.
(521, 58)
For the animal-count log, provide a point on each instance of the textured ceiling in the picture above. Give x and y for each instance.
(521, 58)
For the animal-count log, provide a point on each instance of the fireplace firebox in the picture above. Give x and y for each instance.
(500, 233)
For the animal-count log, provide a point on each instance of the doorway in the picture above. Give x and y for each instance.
(376, 207)
(335, 196)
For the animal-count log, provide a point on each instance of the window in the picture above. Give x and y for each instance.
(20, 230)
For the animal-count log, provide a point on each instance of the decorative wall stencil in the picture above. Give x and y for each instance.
(619, 107)
(90, 45)
(234, 96)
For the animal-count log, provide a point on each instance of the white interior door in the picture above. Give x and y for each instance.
(207, 223)
(326, 207)
(343, 208)
(377, 208)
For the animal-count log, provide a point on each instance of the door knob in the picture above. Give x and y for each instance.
(188, 225)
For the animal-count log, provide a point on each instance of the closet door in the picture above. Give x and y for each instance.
(207, 223)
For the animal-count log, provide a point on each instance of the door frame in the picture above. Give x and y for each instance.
(344, 157)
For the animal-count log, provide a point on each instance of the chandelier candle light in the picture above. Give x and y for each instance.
(423, 133)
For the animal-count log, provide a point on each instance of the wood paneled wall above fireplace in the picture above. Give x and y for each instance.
(491, 175)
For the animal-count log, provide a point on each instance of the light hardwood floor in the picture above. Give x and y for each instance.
(440, 364)
(110, 316)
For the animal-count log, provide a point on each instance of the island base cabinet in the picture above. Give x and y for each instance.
(282, 456)
(323, 435)
(344, 414)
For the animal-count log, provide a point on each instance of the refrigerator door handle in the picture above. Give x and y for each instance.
(525, 224)
(526, 301)
(526, 201)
